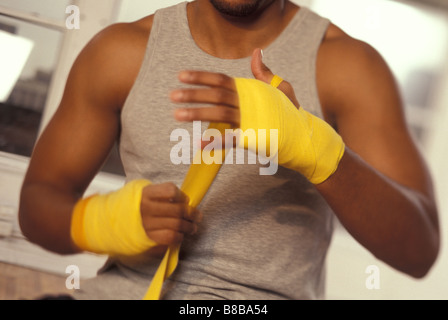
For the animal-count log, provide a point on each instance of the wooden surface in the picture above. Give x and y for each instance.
(18, 283)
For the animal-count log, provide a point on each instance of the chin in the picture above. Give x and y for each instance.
(238, 8)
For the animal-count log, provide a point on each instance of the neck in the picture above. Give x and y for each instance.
(228, 37)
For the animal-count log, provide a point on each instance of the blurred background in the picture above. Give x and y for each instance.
(39, 41)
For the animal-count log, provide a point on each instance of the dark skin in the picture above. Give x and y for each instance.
(392, 211)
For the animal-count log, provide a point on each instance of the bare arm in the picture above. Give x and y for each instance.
(382, 191)
(78, 139)
(73, 146)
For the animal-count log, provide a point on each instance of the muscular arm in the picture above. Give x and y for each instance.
(78, 139)
(382, 191)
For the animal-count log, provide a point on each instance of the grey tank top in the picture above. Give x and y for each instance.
(262, 237)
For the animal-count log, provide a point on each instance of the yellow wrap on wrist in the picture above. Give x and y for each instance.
(306, 143)
(111, 223)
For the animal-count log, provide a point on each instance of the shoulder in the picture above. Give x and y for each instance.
(339, 49)
(349, 70)
(119, 34)
(109, 64)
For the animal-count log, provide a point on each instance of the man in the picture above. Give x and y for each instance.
(257, 237)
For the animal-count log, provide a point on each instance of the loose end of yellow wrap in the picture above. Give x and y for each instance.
(197, 182)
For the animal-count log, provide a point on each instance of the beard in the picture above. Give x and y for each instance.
(237, 8)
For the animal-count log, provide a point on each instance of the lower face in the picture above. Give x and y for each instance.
(239, 8)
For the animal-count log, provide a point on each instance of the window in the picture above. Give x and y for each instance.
(22, 106)
(37, 26)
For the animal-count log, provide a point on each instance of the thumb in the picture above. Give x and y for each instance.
(259, 69)
(263, 73)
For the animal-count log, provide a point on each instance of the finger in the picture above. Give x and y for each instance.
(172, 224)
(213, 95)
(164, 192)
(221, 114)
(207, 79)
(195, 216)
(259, 69)
(166, 237)
(263, 73)
(150, 209)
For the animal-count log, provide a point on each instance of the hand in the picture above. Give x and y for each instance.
(305, 143)
(166, 215)
(220, 91)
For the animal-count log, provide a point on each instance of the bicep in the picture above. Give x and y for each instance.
(364, 102)
(78, 138)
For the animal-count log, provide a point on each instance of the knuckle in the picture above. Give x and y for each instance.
(177, 211)
(171, 189)
(146, 192)
(188, 95)
(193, 113)
(193, 76)
(220, 95)
(178, 225)
(265, 68)
(227, 114)
(145, 206)
(287, 85)
(183, 210)
(222, 79)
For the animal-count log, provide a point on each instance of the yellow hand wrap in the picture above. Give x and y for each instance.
(111, 223)
(306, 144)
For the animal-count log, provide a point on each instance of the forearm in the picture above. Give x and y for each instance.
(45, 217)
(397, 224)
